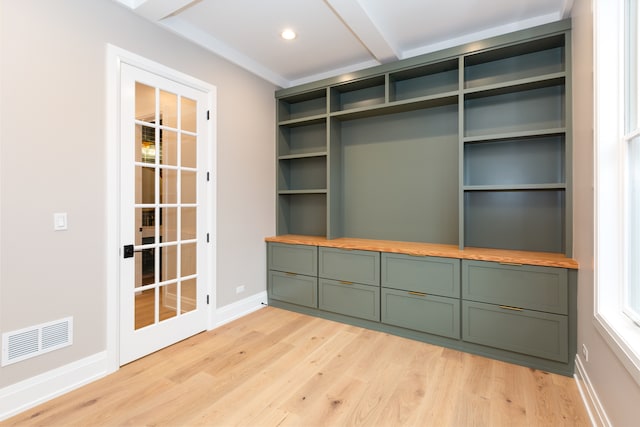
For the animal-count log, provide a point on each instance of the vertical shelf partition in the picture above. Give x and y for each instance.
(302, 164)
(468, 146)
(514, 147)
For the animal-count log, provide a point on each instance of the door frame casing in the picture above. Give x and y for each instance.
(115, 57)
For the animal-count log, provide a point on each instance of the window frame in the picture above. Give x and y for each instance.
(611, 189)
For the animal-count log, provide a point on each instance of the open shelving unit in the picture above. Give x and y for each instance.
(514, 147)
(468, 146)
(431, 198)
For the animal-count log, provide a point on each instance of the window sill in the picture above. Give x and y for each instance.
(623, 337)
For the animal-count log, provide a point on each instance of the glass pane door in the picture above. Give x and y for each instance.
(165, 226)
(163, 211)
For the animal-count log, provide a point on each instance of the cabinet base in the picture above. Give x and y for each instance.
(566, 369)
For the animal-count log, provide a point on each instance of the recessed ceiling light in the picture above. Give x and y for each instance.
(288, 34)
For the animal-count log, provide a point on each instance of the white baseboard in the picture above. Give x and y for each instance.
(26, 394)
(240, 308)
(590, 397)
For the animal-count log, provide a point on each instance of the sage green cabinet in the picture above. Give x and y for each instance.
(522, 286)
(349, 282)
(301, 259)
(469, 147)
(431, 275)
(533, 333)
(519, 308)
(518, 313)
(293, 288)
(421, 312)
(349, 265)
(417, 291)
(350, 299)
(292, 275)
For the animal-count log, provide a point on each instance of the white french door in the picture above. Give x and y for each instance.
(163, 211)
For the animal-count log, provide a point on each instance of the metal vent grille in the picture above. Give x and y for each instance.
(30, 342)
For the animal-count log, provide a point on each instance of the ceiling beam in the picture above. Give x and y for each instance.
(157, 10)
(207, 41)
(356, 18)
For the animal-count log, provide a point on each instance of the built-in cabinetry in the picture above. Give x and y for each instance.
(421, 293)
(468, 148)
(293, 274)
(518, 308)
(349, 282)
(482, 301)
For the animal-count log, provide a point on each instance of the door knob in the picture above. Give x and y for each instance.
(127, 251)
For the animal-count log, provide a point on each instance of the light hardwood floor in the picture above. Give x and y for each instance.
(278, 368)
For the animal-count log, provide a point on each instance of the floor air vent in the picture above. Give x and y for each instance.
(36, 340)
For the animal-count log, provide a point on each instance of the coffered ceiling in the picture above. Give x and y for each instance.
(338, 36)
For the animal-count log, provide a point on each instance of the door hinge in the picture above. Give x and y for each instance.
(207, 299)
(207, 114)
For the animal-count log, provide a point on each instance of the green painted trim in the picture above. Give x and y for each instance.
(568, 153)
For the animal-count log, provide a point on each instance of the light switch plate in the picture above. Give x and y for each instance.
(60, 221)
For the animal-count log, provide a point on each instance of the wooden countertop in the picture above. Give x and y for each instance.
(546, 259)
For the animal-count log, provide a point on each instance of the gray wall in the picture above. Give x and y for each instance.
(616, 389)
(52, 134)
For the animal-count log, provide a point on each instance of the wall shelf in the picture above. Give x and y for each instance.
(514, 135)
(470, 147)
(432, 101)
(318, 191)
(521, 85)
(523, 187)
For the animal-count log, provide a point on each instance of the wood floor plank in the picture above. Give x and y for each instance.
(279, 368)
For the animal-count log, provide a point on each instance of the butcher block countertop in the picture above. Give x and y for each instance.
(504, 256)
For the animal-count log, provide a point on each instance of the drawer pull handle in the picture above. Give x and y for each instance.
(420, 294)
(290, 274)
(515, 264)
(506, 307)
(344, 282)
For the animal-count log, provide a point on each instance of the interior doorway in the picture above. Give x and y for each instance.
(165, 191)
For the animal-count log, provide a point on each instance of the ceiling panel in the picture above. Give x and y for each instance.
(338, 36)
(415, 24)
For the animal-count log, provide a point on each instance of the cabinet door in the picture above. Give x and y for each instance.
(352, 266)
(525, 286)
(300, 259)
(293, 288)
(534, 333)
(349, 298)
(432, 275)
(426, 313)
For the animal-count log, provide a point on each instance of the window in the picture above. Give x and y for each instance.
(617, 171)
(631, 296)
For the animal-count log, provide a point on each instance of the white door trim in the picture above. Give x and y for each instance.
(115, 57)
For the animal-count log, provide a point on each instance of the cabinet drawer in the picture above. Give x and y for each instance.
(431, 275)
(349, 298)
(293, 288)
(529, 332)
(299, 259)
(353, 266)
(531, 287)
(426, 313)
